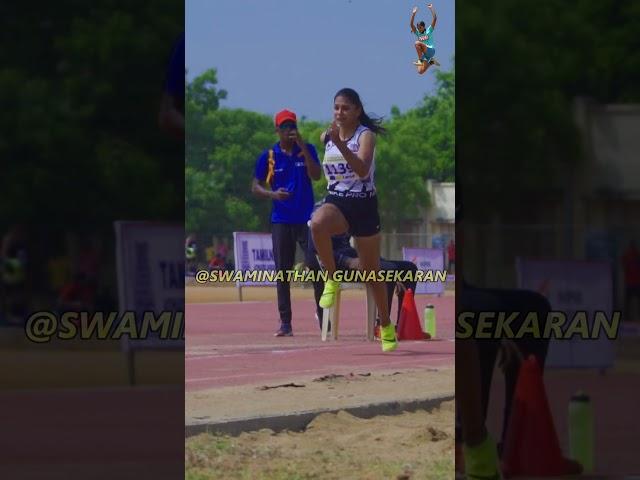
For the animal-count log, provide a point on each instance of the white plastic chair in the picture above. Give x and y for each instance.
(331, 316)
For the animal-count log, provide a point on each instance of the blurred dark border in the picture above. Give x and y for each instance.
(83, 144)
(548, 111)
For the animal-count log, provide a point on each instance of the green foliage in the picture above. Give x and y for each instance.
(224, 144)
(221, 155)
(80, 90)
(523, 63)
(420, 145)
(203, 93)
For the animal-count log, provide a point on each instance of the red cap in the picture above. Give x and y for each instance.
(285, 115)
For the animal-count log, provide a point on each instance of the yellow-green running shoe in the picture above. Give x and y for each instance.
(482, 462)
(388, 338)
(328, 297)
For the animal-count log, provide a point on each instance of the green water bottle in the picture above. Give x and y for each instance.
(430, 320)
(581, 431)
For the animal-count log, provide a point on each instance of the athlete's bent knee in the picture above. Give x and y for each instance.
(318, 226)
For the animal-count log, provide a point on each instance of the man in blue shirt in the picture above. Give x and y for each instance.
(283, 174)
(171, 116)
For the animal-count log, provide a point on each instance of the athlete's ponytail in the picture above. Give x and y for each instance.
(373, 124)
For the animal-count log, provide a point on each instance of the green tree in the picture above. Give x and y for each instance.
(203, 92)
(221, 156)
(516, 123)
(419, 146)
(80, 96)
(224, 144)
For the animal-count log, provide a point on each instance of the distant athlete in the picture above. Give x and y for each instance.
(425, 45)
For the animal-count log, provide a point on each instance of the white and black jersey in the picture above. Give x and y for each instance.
(340, 176)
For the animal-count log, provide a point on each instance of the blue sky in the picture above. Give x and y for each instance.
(296, 54)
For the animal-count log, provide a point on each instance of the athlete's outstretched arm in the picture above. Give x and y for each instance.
(434, 17)
(413, 17)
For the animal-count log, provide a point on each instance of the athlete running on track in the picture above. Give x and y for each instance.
(351, 204)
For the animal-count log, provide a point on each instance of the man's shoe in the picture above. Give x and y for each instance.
(328, 297)
(388, 338)
(284, 331)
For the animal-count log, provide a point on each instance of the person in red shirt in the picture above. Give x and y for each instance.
(77, 295)
(451, 254)
(217, 263)
(222, 250)
(631, 267)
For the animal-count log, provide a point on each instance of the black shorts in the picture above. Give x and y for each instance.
(361, 212)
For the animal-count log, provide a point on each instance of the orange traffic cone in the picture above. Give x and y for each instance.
(409, 324)
(531, 445)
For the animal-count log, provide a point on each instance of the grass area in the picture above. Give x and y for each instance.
(211, 457)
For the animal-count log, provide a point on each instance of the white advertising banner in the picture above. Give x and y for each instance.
(572, 286)
(427, 259)
(150, 261)
(253, 251)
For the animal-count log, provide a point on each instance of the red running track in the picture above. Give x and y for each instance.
(233, 343)
(102, 434)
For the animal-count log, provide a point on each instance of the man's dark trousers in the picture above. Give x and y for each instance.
(284, 237)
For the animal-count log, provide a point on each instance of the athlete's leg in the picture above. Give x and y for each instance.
(469, 392)
(423, 67)
(421, 49)
(327, 221)
(369, 255)
(480, 454)
(388, 265)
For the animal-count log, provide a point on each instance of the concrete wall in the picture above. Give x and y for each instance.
(612, 135)
(443, 201)
(437, 219)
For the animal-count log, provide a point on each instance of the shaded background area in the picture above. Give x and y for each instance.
(81, 88)
(81, 148)
(547, 120)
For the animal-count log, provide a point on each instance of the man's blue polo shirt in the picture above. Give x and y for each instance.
(174, 84)
(289, 172)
